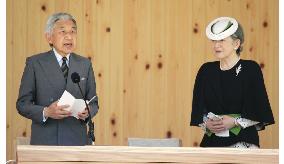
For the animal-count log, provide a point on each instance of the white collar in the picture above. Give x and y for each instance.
(59, 57)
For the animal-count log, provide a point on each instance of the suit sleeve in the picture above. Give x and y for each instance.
(25, 104)
(91, 91)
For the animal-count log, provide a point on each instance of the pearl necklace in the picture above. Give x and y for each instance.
(231, 66)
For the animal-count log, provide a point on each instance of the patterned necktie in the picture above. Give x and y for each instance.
(64, 68)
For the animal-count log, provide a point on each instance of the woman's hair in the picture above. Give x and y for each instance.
(239, 34)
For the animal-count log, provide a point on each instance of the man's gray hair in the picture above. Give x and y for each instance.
(56, 17)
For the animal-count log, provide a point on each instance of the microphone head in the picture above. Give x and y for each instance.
(75, 77)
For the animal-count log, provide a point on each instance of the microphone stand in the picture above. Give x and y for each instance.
(89, 119)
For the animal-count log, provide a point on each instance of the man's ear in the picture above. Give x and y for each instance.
(48, 37)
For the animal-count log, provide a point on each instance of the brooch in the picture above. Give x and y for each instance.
(238, 70)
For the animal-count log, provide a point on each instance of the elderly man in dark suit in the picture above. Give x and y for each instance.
(46, 76)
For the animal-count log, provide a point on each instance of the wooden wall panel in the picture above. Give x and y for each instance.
(273, 83)
(115, 117)
(145, 55)
(157, 71)
(131, 56)
(103, 67)
(269, 24)
(19, 49)
(9, 77)
(212, 9)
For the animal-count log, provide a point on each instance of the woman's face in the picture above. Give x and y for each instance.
(225, 47)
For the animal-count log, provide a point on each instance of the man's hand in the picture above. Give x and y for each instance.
(56, 112)
(83, 115)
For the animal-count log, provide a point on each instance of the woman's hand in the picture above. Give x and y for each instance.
(218, 126)
(228, 121)
(215, 126)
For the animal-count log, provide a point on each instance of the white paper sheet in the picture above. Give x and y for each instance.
(75, 105)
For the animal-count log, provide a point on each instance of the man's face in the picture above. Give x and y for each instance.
(63, 37)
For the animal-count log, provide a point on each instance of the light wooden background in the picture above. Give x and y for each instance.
(145, 54)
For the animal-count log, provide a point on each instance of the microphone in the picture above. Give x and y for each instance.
(76, 79)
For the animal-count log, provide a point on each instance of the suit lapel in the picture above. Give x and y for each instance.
(74, 66)
(52, 71)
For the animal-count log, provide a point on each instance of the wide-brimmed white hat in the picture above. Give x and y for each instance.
(221, 28)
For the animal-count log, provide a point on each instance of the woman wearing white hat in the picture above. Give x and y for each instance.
(230, 102)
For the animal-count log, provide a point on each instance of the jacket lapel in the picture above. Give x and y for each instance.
(74, 66)
(52, 71)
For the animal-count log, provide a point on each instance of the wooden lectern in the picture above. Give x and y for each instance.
(27, 154)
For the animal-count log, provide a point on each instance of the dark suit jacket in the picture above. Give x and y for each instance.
(43, 83)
